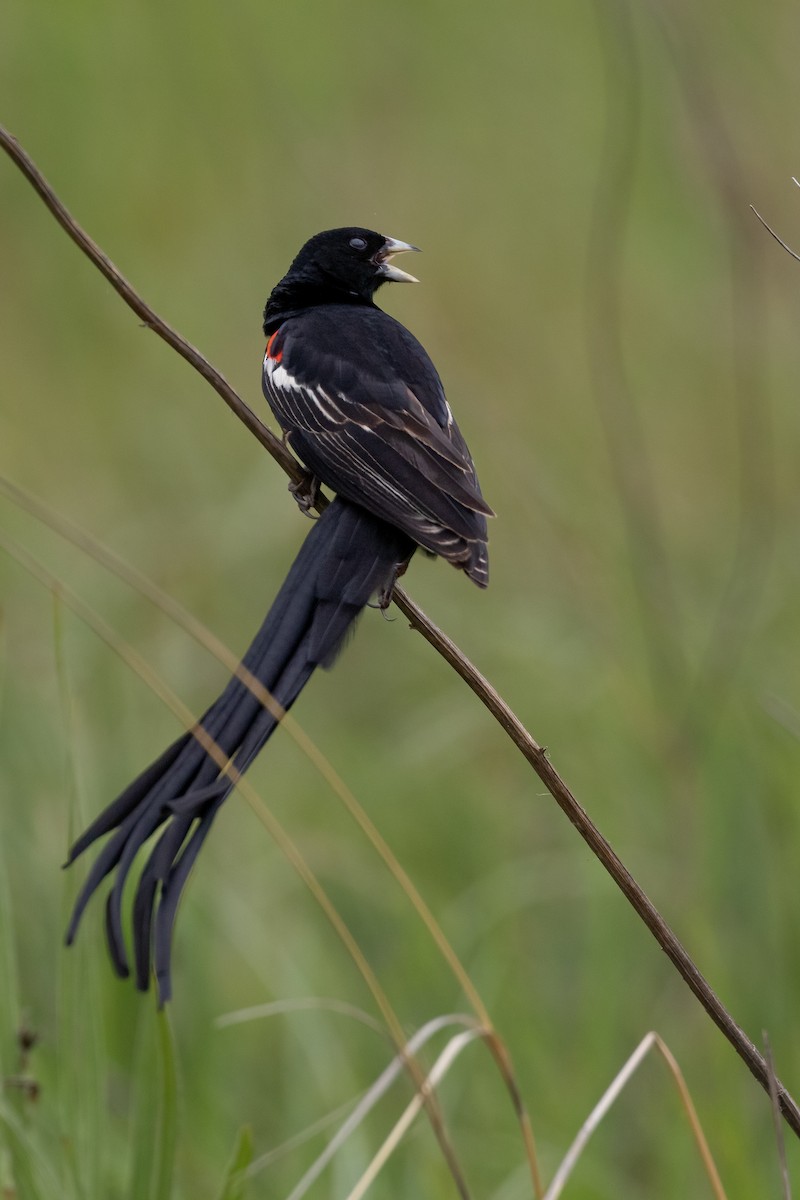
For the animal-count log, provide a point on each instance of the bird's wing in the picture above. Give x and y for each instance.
(363, 406)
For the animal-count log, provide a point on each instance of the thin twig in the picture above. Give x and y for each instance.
(536, 755)
(506, 718)
(769, 229)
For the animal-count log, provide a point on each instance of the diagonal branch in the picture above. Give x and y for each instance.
(489, 697)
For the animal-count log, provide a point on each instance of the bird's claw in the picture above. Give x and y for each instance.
(385, 594)
(306, 492)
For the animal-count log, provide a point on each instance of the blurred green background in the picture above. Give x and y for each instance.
(617, 336)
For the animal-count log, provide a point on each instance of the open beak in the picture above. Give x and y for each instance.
(390, 247)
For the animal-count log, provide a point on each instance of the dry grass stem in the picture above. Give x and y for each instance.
(607, 1100)
(439, 1069)
(771, 231)
(379, 1089)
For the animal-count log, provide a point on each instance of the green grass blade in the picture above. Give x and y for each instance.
(235, 1184)
(30, 1170)
(9, 992)
(81, 1077)
(155, 1134)
(9, 986)
(168, 1125)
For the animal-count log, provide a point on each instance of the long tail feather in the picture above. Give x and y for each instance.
(347, 557)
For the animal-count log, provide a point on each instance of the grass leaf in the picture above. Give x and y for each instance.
(235, 1184)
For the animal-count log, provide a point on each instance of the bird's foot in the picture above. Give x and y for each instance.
(306, 493)
(385, 594)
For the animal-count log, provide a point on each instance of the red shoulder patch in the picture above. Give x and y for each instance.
(278, 354)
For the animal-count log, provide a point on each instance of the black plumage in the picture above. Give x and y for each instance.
(362, 405)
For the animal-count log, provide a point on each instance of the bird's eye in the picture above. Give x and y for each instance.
(358, 243)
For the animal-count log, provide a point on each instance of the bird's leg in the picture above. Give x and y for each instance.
(385, 594)
(306, 492)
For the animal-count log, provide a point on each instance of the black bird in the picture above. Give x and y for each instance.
(360, 402)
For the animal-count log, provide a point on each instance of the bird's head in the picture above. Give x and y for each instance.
(354, 260)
